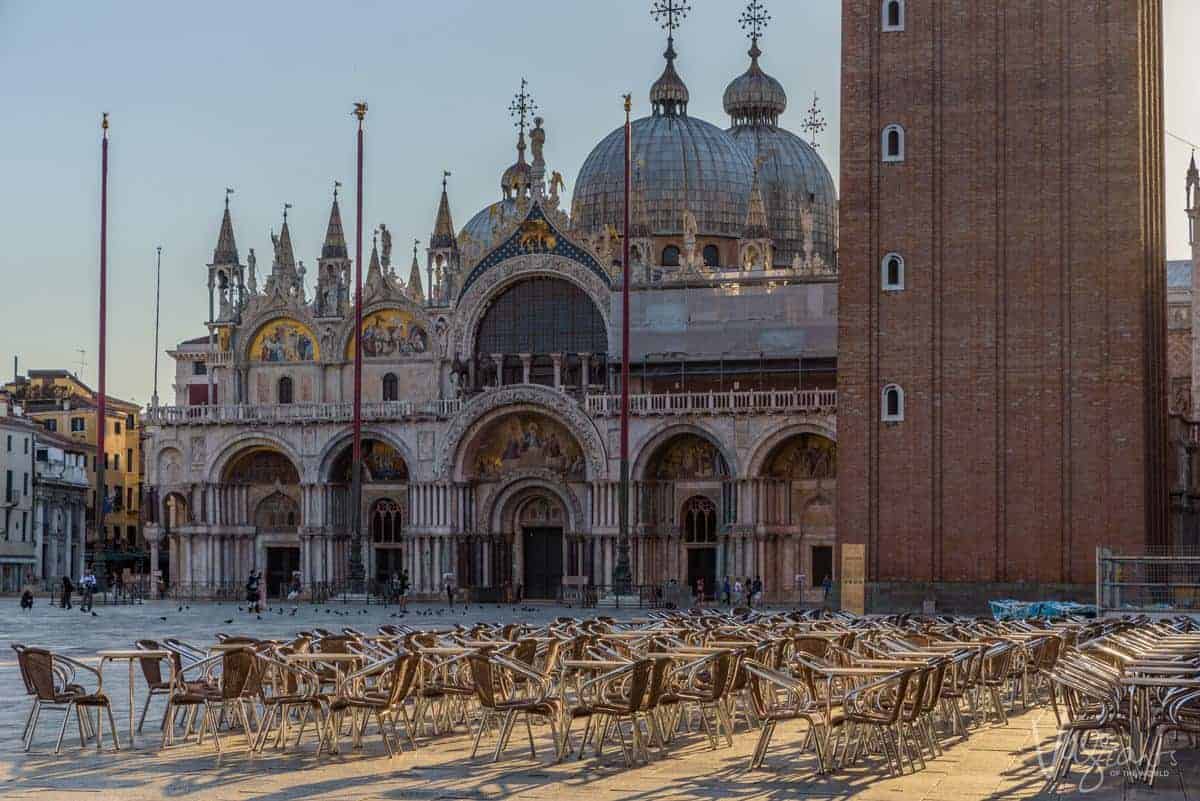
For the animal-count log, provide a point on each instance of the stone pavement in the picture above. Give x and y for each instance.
(995, 763)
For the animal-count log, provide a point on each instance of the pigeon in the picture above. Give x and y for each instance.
(239, 608)
(259, 617)
(95, 615)
(294, 611)
(162, 618)
(180, 609)
(227, 622)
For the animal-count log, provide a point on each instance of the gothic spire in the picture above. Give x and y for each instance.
(756, 215)
(226, 250)
(374, 271)
(285, 257)
(335, 239)
(415, 292)
(443, 225)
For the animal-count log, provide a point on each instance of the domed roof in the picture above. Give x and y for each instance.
(754, 96)
(791, 177)
(480, 227)
(680, 163)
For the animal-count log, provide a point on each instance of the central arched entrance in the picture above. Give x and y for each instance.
(272, 486)
(385, 479)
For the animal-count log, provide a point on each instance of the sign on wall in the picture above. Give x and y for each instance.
(854, 578)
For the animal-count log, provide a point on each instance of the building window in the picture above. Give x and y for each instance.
(129, 459)
(892, 272)
(285, 390)
(386, 522)
(130, 423)
(199, 368)
(9, 445)
(391, 388)
(893, 15)
(25, 484)
(670, 256)
(893, 404)
(78, 424)
(116, 427)
(712, 257)
(116, 461)
(822, 564)
(26, 444)
(893, 143)
(51, 424)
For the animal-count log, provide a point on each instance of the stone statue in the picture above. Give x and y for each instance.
(537, 141)
(252, 262)
(386, 236)
(690, 232)
(275, 245)
(556, 183)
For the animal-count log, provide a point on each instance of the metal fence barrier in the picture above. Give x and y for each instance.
(1125, 584)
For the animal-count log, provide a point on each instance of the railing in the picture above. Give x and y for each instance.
(298, 412)
(1127, 584)
(752, 402)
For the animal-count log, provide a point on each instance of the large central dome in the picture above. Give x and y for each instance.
(679, 162)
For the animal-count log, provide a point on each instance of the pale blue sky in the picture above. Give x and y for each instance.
(257, 96)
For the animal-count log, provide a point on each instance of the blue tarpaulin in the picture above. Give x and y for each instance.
(1023, 610)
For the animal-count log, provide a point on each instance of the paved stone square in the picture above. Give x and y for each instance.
(995, 763)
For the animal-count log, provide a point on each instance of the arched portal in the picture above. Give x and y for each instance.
(534, 522)
(542, 330)
(796, 490)
(684, 500)
(270, 485)
(385, 480)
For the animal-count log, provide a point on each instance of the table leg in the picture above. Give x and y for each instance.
(130, 704)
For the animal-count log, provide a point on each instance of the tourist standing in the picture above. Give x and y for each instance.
(757, 592)
(700, 591)
(252, 592)
(67, 589)
(826, 586)
(726, 590)
(449, 582)
(404, 590)
(737, 591)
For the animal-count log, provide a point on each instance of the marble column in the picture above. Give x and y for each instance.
(557, 359)
(526, 364)
(585, 362)
(498, 358)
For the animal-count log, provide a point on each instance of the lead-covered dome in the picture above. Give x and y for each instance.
(480, 229)
(754, 96)
(680, 163)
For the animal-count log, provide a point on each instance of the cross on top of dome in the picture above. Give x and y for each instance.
(521, 107)
(670, 13)
(754, 19)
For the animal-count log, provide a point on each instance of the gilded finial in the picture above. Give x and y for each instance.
(360, 110)
(286, 206)
(670, 13)
(228, 192)
(814, 121)
(445, 175)
(521, 107)
(104, 123)
(754, 19)
(628, 102)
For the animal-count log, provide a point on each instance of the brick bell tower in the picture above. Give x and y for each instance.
(1010, 153)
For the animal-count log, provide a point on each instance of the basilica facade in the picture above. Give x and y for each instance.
(490, 384)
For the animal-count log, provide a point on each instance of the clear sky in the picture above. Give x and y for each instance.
(257, 96)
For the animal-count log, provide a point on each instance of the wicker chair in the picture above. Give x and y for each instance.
(239, 682)
(292, 688)
(156, 684)
(45, 671)
(388, 705)
(500, 696)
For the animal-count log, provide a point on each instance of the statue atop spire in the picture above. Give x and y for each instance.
(669, 94)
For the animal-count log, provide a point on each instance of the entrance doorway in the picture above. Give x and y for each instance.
(702, 564)
(543, 561)
(699, 519)
(387, 562)
(281, 563)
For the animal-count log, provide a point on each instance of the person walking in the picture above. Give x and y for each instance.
(67, 589)
(449, 582)
(757, 592)
(737, 591)
(826, 586)
(726, 590)
(403, 590)
(87, 586)
(252, 592)
(700, 591)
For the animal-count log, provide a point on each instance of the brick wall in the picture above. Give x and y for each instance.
(1030, 336)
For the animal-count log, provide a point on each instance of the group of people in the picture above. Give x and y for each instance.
(87, 590)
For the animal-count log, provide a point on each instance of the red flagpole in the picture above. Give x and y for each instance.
(102, 402)
(622, 573)
(357, 575)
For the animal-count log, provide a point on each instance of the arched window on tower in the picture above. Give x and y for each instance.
(391, 387)
(893, 15)
(893, 143)
(670, 256)
(892, 404)
(285, 390)
(712, 257)
(892, 272)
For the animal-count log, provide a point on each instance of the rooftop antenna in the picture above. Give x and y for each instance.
(82, 361)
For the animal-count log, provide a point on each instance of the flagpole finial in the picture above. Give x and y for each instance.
(628, 102)
(104, 123)
(360, 110)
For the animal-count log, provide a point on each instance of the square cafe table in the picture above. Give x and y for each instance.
(132, 655)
